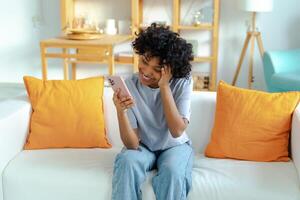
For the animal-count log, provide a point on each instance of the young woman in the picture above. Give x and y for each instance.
(152, 123)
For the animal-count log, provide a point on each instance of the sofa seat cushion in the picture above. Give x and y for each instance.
(60, 174)
(219, 179)
(76, 174)
(286, 81)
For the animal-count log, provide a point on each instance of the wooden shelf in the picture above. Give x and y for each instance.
(68, 12)
(203, 59)
(198, 27)
(213, 27)
(87, 62)
(124, 59)
(118, 60)
(207, 26)
(143, 26)
(176, 26)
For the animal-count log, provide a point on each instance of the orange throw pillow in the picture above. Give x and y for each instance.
(251, 125)
(66, 113)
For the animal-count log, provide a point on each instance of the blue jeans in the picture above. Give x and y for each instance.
(172, 182)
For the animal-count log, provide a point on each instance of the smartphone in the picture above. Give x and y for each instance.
(116, 83)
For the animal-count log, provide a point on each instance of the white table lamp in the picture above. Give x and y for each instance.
(253, 6)
(256, 5)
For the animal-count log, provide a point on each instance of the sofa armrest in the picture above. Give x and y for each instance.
(295, 138)
(282, 61)
(14, 122)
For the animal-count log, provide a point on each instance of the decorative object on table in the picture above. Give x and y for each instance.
(83, 34)
(110, 28)
(200, 81)
(85, 22)
(253, 34)
(83, 29)
(78, 22)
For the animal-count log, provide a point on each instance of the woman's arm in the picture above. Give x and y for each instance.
(128, 135)
(176, 123)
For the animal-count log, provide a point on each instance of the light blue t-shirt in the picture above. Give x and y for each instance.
(148, 114)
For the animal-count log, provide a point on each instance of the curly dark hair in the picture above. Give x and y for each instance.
(159, 41)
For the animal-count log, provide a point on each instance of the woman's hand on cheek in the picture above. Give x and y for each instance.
(166, 76)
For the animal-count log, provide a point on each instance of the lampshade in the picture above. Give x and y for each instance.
(256, 5)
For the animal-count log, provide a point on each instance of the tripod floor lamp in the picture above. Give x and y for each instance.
(253, 35)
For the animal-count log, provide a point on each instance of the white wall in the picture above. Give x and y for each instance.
(19, 44)
(18, 39)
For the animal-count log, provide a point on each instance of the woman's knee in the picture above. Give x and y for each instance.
(128, 158)
(172, 172)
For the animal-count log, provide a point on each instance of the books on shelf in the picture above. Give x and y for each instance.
(200, 81)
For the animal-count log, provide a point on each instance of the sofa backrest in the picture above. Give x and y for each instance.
(199, 129)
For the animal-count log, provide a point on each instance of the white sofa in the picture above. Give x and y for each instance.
(85, 174)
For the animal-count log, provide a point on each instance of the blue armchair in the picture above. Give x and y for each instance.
(282, 70)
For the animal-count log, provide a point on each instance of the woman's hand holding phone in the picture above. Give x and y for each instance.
(122, 97)
(123, 100)
(122, 103)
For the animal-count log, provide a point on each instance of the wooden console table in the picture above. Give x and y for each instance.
(86, 51)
